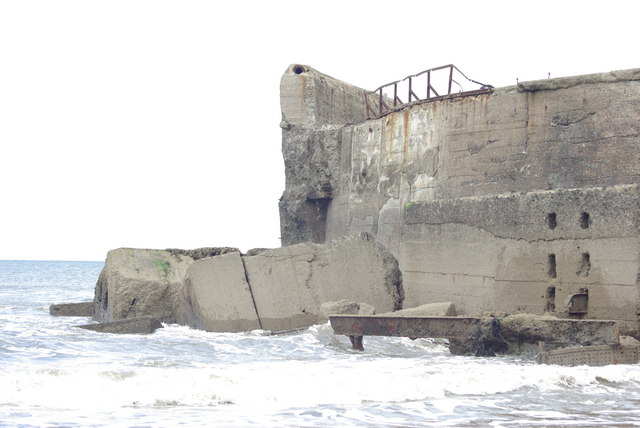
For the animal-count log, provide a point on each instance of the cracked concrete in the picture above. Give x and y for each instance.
(474, 231)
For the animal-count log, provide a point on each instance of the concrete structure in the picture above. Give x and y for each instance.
(343, 306)
(224, 291)
(480, 336)
(140, 325)
(524, 199)
(82, 309)
(441, 309)
(140, 282)
(598, 355)
(215, 296)
(290, 284)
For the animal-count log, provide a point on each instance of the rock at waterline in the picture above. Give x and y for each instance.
(279, 289)
(142, 325)
(82, 309)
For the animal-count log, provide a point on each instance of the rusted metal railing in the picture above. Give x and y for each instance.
(387, 97)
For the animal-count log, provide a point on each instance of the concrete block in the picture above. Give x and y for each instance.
(343, 306)
(600, 355)
(83, 309)
(141, 325)
(289, 284)
(216, 296)
(141, 282)
(440, 309)
(528, 328)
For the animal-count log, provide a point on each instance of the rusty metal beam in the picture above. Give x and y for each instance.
(467, 335)
(398, 103)
(377, 325)
(479, 335)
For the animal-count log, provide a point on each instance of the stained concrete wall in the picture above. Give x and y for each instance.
(502, 252)
(459, 191)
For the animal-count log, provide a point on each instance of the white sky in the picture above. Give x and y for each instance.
(154, 124)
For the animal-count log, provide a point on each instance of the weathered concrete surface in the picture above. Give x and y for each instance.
(314, 108)
(289, 284)
(499, 252)
(141, 325)
(440, 309)
(627, 352)
(527, 328)
(600, 355)
(139, 282)
(343, 307)
(216, 296)
(82, 309)
(462, 193)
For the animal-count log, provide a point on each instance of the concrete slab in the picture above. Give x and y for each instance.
(141, 325)
(600, 355)
(216, 296)
(82, 309)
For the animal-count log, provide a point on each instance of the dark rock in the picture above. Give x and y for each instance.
(83, 309)
(142, 325)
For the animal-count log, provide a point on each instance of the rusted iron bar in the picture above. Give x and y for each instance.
(442, 327)
(411, 94)
(467, 335)
(479, 335)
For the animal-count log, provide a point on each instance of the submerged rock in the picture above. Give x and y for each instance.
(142, 325)
(82, 309)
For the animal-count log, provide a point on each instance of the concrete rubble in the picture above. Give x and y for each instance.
(82, 309)
(140, 325)
(343, 306)
(139, 282)
(520, 201)
(277, 290)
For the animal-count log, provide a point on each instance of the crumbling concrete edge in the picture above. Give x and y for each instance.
(568, 82)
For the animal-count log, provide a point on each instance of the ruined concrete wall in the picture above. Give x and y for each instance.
(459, 191)
(314, 109)
(584, 135)
(526, 252)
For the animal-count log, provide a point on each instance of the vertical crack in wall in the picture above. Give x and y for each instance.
(253, 299)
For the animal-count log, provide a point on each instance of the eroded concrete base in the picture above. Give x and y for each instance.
(82, 309)
(141, 325)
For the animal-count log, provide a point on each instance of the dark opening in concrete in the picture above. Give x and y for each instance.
(584, 220)
(551, 220)
(298, 69)
(551, 299)
(585, 265)
(551, 265)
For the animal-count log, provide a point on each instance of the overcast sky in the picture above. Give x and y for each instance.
(154, 124)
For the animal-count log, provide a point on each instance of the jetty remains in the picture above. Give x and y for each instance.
(514, 205)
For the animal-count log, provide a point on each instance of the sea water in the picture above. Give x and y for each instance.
(55, 374)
